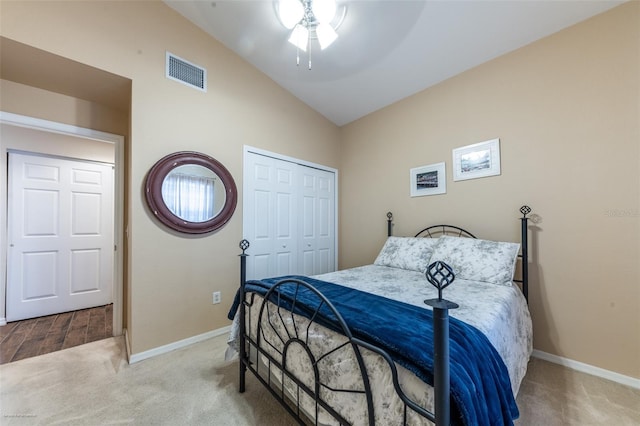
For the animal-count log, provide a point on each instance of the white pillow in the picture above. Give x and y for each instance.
(478, 260)
(406, 253)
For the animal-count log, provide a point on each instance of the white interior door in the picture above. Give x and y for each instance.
(289, 217)
(60, 235)
(270, 196)
(317, 207)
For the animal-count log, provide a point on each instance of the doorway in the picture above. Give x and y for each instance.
(89, 141)
(60, 235)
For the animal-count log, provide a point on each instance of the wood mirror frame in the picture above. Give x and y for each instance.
(153, 192)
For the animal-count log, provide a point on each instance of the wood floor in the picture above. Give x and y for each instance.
(37, 336)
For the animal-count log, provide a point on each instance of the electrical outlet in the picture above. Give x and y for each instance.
(216, 297)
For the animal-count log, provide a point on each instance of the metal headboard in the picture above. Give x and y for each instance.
(435, 231)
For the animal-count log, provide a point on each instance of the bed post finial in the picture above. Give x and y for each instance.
(525, 210)
(389, 220)
(440, 275)
(244, 245)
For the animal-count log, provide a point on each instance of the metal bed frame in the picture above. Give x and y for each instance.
(277, 313)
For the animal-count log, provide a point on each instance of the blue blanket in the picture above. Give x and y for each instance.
(480, 385)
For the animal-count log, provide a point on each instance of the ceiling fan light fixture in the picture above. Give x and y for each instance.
(290, 12)
(300, 37)
(310, 20)
(324, 10)
(326, 35)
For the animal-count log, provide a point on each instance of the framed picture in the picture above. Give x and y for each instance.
(477, 160)
(428, 180)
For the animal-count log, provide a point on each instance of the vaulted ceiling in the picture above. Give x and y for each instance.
(386, 50)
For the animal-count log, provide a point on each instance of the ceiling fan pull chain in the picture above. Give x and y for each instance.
(309, 48)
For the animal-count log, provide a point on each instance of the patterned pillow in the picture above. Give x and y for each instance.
(406, 253)
(478, 260)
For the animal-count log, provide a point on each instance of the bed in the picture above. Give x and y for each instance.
(376, 345)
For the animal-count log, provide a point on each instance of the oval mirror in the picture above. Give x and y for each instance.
(191, 192)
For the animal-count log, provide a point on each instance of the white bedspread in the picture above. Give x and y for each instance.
(499, 311)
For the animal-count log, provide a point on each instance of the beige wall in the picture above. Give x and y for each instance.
(44, 104)
(171, 277)
(566, 110)
(38, 141)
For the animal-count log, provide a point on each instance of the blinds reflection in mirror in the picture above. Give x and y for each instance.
(190, 197)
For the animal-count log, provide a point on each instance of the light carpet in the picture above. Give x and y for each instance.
(92, 384)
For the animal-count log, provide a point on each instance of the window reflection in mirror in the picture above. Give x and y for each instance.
(193, 193)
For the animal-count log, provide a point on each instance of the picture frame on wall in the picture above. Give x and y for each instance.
(428, 180)
(477, 160)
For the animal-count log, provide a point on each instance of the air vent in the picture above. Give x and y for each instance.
(186, 73)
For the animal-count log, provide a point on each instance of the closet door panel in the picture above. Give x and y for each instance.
(270, 223)
(285, 243)
(258, 177)
(317, 217)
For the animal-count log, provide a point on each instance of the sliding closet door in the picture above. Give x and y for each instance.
(317, 211)
(270, 220)
(288, 217)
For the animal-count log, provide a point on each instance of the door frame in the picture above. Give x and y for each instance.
(118, 225)
(250, 149)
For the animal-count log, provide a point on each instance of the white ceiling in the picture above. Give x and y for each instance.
(386, 50)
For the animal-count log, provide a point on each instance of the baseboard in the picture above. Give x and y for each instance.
(133, 358)
(3, 321)
(589, 369)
